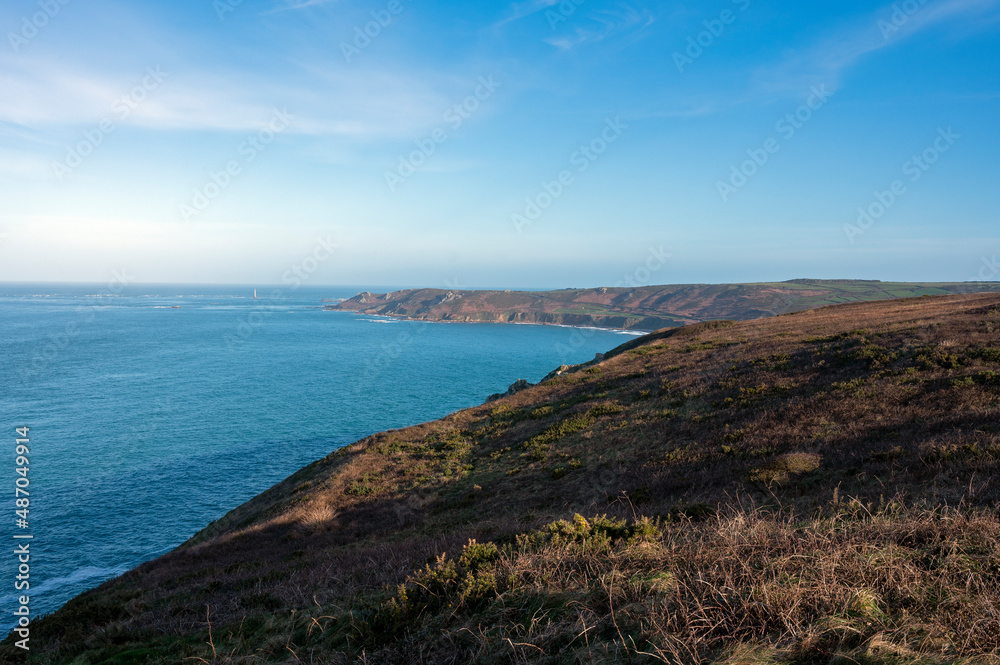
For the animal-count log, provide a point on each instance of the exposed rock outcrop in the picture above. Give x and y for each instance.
(516, 387)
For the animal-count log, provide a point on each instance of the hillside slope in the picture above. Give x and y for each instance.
(646, 308)
(799, 489)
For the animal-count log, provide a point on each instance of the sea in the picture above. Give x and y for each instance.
(153, 410)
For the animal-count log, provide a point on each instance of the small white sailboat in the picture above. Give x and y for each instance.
(255, 294)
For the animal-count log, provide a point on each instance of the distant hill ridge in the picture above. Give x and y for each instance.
(645, 308)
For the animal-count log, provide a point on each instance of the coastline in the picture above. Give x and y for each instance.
(635, 332)
(637, 309)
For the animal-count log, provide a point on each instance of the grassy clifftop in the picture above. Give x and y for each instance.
(812, 488)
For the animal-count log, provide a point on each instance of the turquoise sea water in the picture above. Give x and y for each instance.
(153, 410)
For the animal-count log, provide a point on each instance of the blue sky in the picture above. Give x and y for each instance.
(526, 144)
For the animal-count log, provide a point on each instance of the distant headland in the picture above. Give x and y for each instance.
(644, 308)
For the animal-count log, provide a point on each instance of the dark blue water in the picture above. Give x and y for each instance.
(155, 410)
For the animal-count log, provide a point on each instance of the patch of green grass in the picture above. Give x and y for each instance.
(929, 358)
(542, 412)
(390, 447)
(650, 350)
(958, 453)
(773, 363)
(605, 409)
(988, 378)
(733, 436)
(700, 346)
(990, 355)
(853, 384)
(745, 396)
(873, 355)
(538, 445)
(364, 486)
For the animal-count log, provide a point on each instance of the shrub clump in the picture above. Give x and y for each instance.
(929, 358)
(598, 532)
(990, 355)
(464, 582)
(874, 355)
(364, 486)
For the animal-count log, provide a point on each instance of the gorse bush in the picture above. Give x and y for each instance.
(479, 575)
(466, 581)
(600, 531)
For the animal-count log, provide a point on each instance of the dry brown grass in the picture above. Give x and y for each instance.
(867, 586)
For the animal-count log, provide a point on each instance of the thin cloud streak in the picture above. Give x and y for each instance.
(825, 62)
(523, 9)
(611, 22)
(293, 5)
(356, 104)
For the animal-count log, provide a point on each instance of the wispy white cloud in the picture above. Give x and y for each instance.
(608, 23)
(325, 99)
(827, 60)
(520, 10)
(291, 5)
